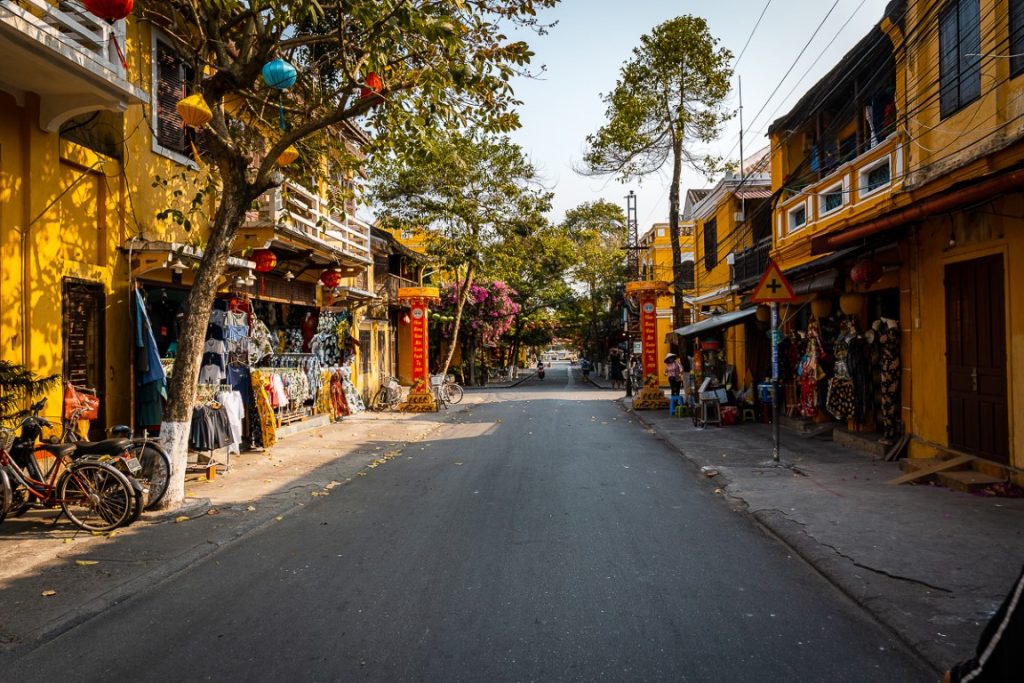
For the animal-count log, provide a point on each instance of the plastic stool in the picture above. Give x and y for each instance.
(684, 410)
(674, 401)
(749, 415)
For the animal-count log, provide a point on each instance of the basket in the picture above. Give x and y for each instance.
(6, 438)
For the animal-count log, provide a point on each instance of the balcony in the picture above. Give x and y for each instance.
(295, 212)
(388, 286)
(853, 192)
(65, 55)
(750, 264)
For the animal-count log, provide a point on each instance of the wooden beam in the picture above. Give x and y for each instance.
(932, 469)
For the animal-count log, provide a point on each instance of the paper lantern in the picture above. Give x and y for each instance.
(265, 259)
(851, 303)
(372, 85)
(821, 307)
(279, 74)
(330, 278)
(764, 313)
(111, 10)
(289, 155)
(194, 111)
(866, 272)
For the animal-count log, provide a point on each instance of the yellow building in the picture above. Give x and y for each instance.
(91, 151)
(899, 174)
(656, 264)
(732, 230)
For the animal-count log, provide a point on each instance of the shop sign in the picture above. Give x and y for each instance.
(418, 330)
(649, 334)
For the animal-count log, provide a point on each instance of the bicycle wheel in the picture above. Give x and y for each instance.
(454, 392)
(380, 400)
(96, 497)
(155, 476)
(5, 495)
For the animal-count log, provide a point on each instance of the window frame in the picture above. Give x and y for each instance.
(863, 173)
(842, 187)
(1016, 32)
(157, 39)
(962, 72)
(790, 227)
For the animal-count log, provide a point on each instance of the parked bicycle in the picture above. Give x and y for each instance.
(453, 391)
(389, 396)
(94, 495)
(154, 465)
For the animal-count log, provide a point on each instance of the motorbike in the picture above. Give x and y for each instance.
(540, 371)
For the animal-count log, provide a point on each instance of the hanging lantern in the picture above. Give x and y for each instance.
(279, 74)
(330, 279)
(866, 272)
(764, 313)
(110, 10)
(372, 85)
(406, 319)
(265, 259)
(194, 111)
(851, 303)
(289, 155)
(821, 307)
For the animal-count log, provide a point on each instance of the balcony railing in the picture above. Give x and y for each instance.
(751, 263)
(293, 208)
(388, 286)
(850, 191)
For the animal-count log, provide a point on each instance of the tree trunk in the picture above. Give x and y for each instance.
(192, 334)
(460, 303)
(673, 229)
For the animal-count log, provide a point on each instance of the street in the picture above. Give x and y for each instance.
(545, 536)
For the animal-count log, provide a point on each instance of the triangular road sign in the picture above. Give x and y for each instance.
(773, 287)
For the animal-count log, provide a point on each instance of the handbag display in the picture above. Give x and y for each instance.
(75, 399)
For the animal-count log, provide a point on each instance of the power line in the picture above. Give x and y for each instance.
(752, 32)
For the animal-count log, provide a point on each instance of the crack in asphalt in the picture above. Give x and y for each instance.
(884, 572)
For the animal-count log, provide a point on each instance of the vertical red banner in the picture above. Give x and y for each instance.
(418, 329)
(649, 334)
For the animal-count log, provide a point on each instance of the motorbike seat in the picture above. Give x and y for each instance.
(105, 447)
(59, 450)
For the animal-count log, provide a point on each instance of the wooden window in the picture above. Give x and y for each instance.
(171, 76)
(959, 56)
(686, 275)
(711, 244)
(1016, 37)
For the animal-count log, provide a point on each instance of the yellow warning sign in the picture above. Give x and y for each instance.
(773, 287)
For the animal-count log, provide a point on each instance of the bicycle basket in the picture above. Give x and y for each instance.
(6, 437)
(436, 380)
(392, 383)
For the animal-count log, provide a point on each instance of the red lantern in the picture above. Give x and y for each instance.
(865, 272)
(372, 85)
(330, 278)
(265, 259)
(111, 10)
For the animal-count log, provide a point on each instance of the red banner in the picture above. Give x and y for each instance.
(649, 333)
(418, 329)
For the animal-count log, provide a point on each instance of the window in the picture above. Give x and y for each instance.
(1016, 36)
(798, 217)
(711, 244)
(686, 275)
(959, 56)
(830, 199)
(875, 177)
(170, 76)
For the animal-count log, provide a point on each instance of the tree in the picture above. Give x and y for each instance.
(470, 191)
(433, 64)
(487, 315)
(668, 96)
(18, 383)
(597, 232)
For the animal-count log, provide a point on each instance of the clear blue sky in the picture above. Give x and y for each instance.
(584, 52)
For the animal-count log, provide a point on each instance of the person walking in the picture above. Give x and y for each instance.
(615, 371)
(998, 652)
(674, 372)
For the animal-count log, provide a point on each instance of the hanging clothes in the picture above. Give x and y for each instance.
(150, 379)
(858, 364)
(210, 428)
(231, 403)
(264, 411)
(839, 402)
(889, 352)
(213, 367)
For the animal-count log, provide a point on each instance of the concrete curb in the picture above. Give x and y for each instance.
(789, 533)
(163, 572)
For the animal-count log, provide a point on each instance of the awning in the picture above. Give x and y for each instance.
(754, 193)
(716, 321)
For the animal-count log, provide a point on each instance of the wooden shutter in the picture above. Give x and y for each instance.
(1017, 36)
(170, 89)
(970, 51)
(949, 46)
(711, 244)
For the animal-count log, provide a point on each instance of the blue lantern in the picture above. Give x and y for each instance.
(279, 74)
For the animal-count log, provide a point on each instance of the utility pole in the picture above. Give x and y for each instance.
(633, 268)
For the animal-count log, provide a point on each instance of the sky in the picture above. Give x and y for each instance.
(593, 38)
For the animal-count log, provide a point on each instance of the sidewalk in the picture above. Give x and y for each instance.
(89, 573)
(929, 563)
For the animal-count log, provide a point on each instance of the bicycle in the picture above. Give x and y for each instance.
(453, 391)
(389, 396)
(92, 494)
(437, 387)
(153, 467)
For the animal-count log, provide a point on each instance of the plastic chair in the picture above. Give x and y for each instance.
(674, 401)
(748, 414)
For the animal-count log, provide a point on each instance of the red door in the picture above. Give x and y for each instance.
(976, 358)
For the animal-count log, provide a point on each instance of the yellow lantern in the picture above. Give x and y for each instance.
(851, 303)
(764, 313)
(289, 155)
(821, 307)
(194, 111)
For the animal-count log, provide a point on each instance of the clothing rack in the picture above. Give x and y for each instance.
(206, 393)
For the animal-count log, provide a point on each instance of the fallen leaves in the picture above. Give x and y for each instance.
(86, 563)
(183, 518)
(48, 594)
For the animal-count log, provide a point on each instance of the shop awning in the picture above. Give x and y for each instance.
(715, 322)
(355, 294)
(149, 255)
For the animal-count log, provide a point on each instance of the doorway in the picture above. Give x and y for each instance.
(83, 340)
(978, 414)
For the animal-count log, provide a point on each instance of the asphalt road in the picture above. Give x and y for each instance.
(545, 537)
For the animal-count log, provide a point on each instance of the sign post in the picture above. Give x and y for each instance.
(773, 289)
(651, 397)
(420, 398)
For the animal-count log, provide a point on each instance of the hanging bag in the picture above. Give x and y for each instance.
(74, 399)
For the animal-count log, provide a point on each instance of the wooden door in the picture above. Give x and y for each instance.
(978, 415)
(83, 337)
